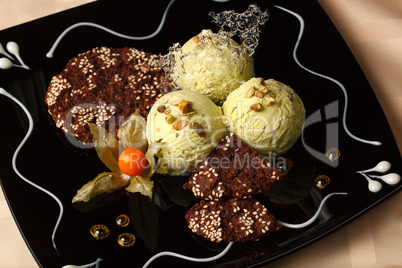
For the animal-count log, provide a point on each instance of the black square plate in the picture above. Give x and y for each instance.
(342, 113)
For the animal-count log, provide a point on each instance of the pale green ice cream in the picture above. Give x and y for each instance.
(188, 125)
(212, 64)
(267, 115)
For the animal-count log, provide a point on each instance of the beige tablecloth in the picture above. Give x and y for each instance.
(373, 30)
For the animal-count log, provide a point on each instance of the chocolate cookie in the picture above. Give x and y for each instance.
(232, 169)
(105, 86)
(237, 220)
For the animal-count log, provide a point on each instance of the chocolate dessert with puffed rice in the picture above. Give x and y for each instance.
(233, 219)
(104, 86)
(232, 169)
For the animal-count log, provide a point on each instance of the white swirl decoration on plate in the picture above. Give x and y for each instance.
(9, 61)
(314, 217)
(382, 167)
(14, 161)
(229, 245)
(91, 24)
(301, 20)
(89, 265)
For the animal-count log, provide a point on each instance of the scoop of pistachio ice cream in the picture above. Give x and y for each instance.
(267, 115)
(213, 64)
(188, 125)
